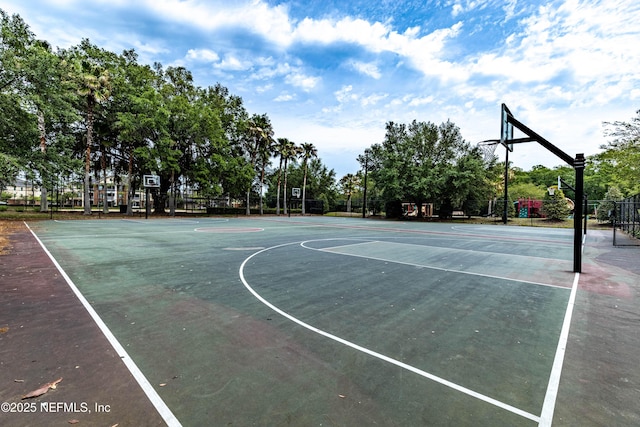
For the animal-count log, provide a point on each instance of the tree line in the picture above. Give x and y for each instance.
(87, 112)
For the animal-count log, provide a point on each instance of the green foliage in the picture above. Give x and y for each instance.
(9, 169)
(606, 208)
(526, 191)
(325, 202)
(619, 162)
(424, 162)
(107, 110)
(321, 182)
(555, 206)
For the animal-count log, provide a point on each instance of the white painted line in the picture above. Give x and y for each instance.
(133, 234)
(256, 248)
(153, 396)
(136, 221)
(548, 407)
(380, 356)
(349, 245)
(448, 270)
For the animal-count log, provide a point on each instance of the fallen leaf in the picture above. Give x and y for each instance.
(35, 393)
(73, 421)
(341, 396)
(42, 390)
(18, 381)
(163, 384)
(4, 330)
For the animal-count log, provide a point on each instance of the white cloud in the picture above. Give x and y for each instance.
(424, 53)
(256, 16)
(576, 53)
(509, 9)
(301, 80)
(463, 6)
(265, 88)
(285, 97)
(205, 55)
(269, 71)
(273, 24)
(416, 102)
(372, 99)
(368, 69)
(349, 30)
(456, 9)
(330, 139)
(232, 63)
(345, 94)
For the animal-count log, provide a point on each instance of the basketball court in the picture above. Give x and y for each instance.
(312, 321)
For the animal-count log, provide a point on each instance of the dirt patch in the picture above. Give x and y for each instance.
(7, 228)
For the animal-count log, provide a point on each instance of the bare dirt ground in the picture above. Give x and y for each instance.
(6, 229)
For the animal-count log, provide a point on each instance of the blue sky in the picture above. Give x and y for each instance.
(333, 72)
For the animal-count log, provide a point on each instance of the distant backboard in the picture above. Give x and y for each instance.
(506, 128)
(151, 181)
(295, 192)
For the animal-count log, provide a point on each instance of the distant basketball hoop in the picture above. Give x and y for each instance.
(151, 181)
(295, 192)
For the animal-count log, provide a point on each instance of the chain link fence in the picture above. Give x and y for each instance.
(626, 222)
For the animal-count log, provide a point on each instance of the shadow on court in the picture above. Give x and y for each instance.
(314, 321)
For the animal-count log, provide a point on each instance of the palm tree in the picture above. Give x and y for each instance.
(260, 134)
(280, 149)
(349, 182)
(291, 152)
(308, 151)
(266, 147)
(94, 85)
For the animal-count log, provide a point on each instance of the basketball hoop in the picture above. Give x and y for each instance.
(151, 181)
(488, 149)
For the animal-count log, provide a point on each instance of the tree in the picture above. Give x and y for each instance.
(140, 117)
(36, 105)
(261, 131)
(9, 169)
(467, 184)
(283, 149)
(526, 191)
(555, 205)
(123, 118)
(423, 162)
(93, 85)
(257, 140)
(290, 151)
(622, 154)
(230, 167)
(348, 184)
(321, 182)
(607, 207)
(308, 151)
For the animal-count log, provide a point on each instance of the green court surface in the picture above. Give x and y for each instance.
(311, 321)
